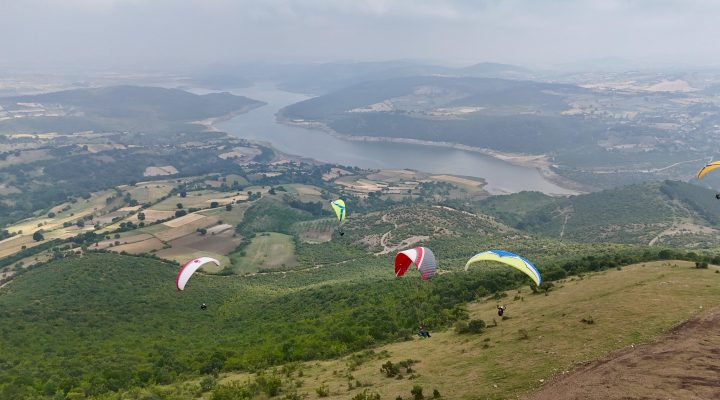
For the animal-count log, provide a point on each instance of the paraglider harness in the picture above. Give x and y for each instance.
(423, 333)
(501, 310)
(203, 306)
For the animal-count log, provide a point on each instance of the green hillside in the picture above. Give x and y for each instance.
(102, 322)
(517, 116)
(131, 108)
(669, 212)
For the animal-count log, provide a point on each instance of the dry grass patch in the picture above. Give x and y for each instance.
(145, 246)
(160, 171)
(544, 335)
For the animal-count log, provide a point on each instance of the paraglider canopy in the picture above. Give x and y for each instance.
(422, 257)
(508, 258)
(339, 208)
(707, 168)
(189, 268)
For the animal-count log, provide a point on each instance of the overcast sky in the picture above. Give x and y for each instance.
(179, 34)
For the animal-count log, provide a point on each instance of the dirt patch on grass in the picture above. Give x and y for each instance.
(316, 235)
(108, 218)
(160, 171)
(123, 240)
(684, 364)
(228, 200)
(144, 246)
(220, 243)
(187, 227)
(155, 215)
(177, 222)
(457, 180)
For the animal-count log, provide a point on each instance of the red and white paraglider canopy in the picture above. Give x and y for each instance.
(189, 268)
(422, 257)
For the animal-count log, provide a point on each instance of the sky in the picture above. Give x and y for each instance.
(175, 35)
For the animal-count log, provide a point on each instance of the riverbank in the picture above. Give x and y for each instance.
(541, 163)
(209, 123)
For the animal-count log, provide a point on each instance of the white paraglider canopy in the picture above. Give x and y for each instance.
(189, 268)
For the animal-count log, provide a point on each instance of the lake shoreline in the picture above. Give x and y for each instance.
(541, 163)
(209, 123)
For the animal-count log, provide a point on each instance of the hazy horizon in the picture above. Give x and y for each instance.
(177, 35)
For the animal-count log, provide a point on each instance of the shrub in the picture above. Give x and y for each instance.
(473, 326)
(271, 385)
(701, 264)
(323, 391)
(389, 369)
(417, 393)
(366, 395)
(207, 384)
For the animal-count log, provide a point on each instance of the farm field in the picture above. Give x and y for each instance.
(199, 199)
(217, 242)
(266, 251)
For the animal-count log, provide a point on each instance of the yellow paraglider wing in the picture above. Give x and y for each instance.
(339, 207)
(709, 167)
(508, 258)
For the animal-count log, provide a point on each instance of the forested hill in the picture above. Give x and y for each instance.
(117, 108)
(669, 212)
(507, 115)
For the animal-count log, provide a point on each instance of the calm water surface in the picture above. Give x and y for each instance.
(260, 124)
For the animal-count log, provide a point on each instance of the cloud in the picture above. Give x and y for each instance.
(173, 33)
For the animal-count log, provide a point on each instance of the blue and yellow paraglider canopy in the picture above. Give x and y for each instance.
(707, 168)
(339, 207)
(511, 259)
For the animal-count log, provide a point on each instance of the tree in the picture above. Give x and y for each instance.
(38, 236)
(179, 206)
(141, 216)
(214, 204)
(228, 207)
(183, 194)
(51, 214)
(180, 213)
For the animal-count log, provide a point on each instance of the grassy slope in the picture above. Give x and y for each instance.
(630, 306)
(266, 251)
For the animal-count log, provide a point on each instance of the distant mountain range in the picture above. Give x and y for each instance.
(323, 78)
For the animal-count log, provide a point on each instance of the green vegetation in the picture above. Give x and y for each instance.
(124, 310)
(91, 324)
(270, 215)
(124, 108)
(266, 251)
(638, 214)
